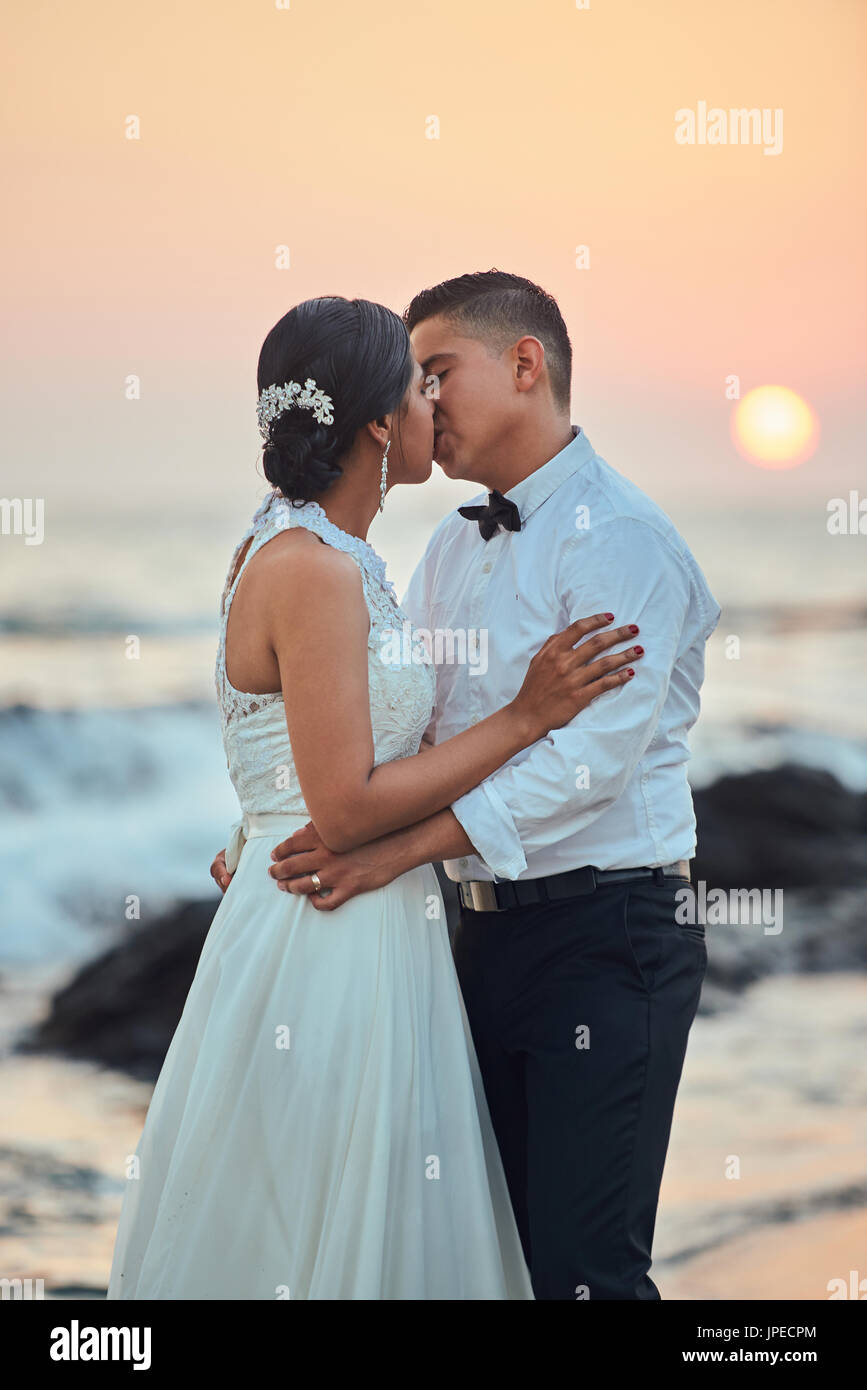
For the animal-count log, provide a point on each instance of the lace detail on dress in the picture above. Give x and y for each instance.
(238, 703)
(401, 688)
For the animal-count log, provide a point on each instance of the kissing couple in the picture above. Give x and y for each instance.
(352, 1105)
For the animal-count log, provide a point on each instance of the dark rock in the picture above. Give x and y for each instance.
(820, 931)
(788, 827)
(122, 1008)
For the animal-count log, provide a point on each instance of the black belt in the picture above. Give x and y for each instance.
(483, 896)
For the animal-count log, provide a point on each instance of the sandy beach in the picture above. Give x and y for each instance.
(776, 1081)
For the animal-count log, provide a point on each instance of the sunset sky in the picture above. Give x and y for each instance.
(306, 126)
(718, 317)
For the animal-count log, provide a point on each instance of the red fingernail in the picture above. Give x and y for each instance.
(610, 617)
(639, 651)
(630, 671)
(632, 627)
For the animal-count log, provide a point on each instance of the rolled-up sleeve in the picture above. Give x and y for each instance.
(573, 775)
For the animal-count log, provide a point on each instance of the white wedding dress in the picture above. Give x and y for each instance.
(319, 1129)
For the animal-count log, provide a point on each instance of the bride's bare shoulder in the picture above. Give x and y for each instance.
(296, 562)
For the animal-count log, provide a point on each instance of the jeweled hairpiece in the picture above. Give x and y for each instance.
(275, 399)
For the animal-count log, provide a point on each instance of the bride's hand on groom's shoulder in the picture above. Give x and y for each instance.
(340, 876)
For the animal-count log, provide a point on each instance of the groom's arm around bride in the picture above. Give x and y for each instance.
(574, 793)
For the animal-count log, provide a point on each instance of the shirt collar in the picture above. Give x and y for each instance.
(535, 489)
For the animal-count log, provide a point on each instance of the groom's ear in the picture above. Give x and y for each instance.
(527, 358)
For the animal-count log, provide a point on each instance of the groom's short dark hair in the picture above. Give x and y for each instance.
(499, 308)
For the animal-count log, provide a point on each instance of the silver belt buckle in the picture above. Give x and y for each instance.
(479, 895)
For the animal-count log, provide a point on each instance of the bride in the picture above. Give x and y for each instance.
(319, 1128)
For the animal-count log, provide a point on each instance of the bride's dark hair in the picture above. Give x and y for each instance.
(358, 353)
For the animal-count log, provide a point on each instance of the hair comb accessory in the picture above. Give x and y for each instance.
(274, 400)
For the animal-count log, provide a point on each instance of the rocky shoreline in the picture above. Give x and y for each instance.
(793, 832)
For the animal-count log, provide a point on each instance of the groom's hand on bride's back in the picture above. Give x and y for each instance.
(219, 873)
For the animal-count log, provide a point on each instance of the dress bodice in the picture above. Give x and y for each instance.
(401, 686)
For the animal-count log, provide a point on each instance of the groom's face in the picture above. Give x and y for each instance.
(473, 394)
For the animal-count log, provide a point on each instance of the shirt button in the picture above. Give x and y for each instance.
(463, 863)
(475, 719)
(486, 567)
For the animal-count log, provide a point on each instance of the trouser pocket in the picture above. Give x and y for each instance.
(658, 924)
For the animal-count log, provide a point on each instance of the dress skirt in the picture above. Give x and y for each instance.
(319, 1128)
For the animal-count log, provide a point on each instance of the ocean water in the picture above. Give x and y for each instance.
(114, 791)
(113, 783)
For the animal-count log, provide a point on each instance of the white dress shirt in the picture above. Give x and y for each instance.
(610, 788)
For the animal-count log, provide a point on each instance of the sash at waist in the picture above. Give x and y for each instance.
(254, 824)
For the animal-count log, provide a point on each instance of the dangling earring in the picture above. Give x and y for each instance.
(384, 475)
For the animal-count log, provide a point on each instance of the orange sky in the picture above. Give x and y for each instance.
(306, 126)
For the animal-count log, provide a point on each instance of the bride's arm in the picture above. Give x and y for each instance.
(321, 648)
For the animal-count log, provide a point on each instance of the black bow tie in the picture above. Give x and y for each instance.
(499, 510)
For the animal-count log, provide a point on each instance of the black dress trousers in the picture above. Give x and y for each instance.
(580, 1012)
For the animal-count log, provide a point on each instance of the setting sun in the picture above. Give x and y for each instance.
(774, 427)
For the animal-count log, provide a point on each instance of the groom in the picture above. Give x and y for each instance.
(580, 985)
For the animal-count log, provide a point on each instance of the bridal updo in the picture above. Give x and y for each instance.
(358, 353)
